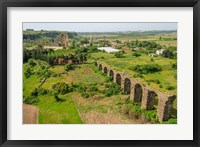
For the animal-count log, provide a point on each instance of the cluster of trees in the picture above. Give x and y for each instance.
(103, 43)
(147, 68)
(150, 45)
(33, 97)
(51, 56)
(42, 69)
(62, 88)
(170, 52)
(34, 35)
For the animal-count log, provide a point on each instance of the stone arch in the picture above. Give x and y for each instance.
(105, 70)
(111, 74)
(151, 100)
(165, 106)
(100, 67)
(138, 93)
(127, 86)
(118, 79)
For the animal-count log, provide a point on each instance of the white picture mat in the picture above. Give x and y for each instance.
(181, 131)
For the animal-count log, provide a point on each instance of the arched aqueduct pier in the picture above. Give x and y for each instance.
(141, 93)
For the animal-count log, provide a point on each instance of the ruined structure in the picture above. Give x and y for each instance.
(63, 40)
(141, 93)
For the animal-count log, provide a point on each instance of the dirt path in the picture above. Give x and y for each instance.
(30, 114)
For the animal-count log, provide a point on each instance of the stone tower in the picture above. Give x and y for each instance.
(63, 40)
(66, 40)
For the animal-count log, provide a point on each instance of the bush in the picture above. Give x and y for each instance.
(170, 88)
(39, 91)
(111, 89)
(136, 54)
(61, 88)
(168, 54)
(170, 121)
(31, 62)
(119, 55)
(174, 65)
(31, 100)
(85, 95)
(57, 99)
(28, 72)
(68, 67)
(148, 68)
(34, 97)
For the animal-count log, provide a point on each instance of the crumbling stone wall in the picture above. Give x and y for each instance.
(141, 93)
(165, 105)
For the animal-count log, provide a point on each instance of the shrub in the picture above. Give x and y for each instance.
(112, 89)
(170, 121)
(170, 88)
(61, 88)
(39, 91)
(174, 65)
(168, 54)
(31, 62)
(136, 54)
(148, 68)
(68, 67)
(118, 54)
(57, 99)
(30, 100)
(28, 72)
(85, 95)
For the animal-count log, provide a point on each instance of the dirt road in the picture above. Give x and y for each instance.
(30, 114)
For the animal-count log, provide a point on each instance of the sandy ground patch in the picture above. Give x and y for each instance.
(30, 114)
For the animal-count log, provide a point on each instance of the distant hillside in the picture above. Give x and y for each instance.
(128, 33)
(34, 35)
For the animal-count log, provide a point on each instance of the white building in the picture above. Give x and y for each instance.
(109, 49)
(158, 52)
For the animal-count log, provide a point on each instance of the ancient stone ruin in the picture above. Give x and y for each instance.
(141, 93)
(63, 40)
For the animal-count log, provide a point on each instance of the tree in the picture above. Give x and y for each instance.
(118, 54)
(168, 54)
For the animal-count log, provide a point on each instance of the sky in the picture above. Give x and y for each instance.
(100, 27)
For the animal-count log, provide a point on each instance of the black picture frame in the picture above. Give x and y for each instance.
(4, 4)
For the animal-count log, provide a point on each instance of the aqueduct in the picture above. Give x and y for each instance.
(141, 93)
